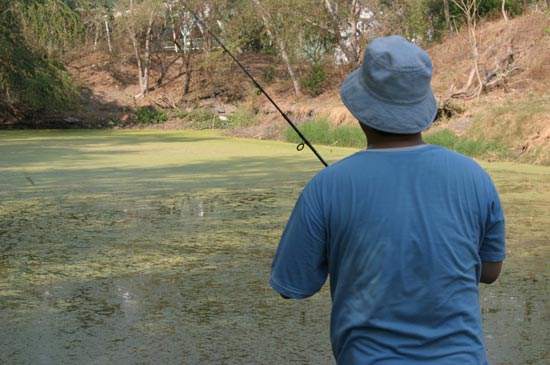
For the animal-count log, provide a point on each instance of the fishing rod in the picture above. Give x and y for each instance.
(261, 90)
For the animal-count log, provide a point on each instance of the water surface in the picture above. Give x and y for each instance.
(155, 247)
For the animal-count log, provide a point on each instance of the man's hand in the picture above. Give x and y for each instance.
(490, 271)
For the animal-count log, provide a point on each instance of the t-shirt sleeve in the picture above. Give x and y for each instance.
(493, 248)
(300, 267)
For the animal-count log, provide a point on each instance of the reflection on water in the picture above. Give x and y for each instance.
(181, 278)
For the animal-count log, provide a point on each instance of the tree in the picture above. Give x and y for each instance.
(469, 8)
(96, 17)
(503, 9)
(447, 14)
(350, 22)
(28, 80)
(196, 45)
(138, 19)
(278, 21)
(50, 26)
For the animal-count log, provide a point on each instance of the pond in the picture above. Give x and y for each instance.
(154, 247)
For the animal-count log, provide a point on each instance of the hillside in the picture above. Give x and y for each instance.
(514, 109)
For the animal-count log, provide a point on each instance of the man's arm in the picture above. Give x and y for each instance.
(300, 266)
(493, 246)
(490, 271)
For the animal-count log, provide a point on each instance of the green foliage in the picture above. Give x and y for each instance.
(27, 79)
(434, 13)
(247, 33)
(50, 87)
(50, 27)
(487, 7)
(444, 138)
(470, 147)
(243, 117)
(199, 116)
(348, 136)
(316, 131)
(222, 73)
(205, 119)
(410, 19)
(314, 79)
(150, 115)
(417, 21)
(269, 74)
(316, 44)
(319, 131)
(202, 119)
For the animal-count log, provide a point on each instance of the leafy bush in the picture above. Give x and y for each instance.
(27, 78)
(199, 116)
(269, 74)
(349, 136)
(444, 138)
(150, 115)
(243, 117)
(316, 131)
(428, 16)
(221, 74)
(466, 146)
(314, 79)
(203, 119)
(50, 26)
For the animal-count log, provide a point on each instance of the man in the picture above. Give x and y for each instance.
(406, 230)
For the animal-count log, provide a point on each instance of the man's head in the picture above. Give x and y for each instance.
(391, 91)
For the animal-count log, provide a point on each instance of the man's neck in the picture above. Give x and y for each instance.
(394, 143)
(378, 140)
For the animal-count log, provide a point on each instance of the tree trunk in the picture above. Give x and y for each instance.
(350, 50)
(469, 8)
(108, 32)
(186, 56)
(504, 15)
(143, 59)
(447, 15)
(147, 54)
(282, 48)
(137, 54)
(286, 58)
(96, 35)
(188, 73)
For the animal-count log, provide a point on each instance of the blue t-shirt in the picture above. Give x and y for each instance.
(402, 233)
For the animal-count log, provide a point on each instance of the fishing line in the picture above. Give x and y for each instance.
(261, 90)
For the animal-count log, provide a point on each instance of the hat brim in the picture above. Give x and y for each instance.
(385, 116)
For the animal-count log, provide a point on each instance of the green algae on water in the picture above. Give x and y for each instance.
(154, 247)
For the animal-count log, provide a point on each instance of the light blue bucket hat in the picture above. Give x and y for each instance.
(391, 90)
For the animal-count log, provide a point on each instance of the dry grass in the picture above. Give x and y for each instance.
(522, 124)
(517, 112)
(526, 37)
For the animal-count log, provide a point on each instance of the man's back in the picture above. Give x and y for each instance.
(402, 233)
